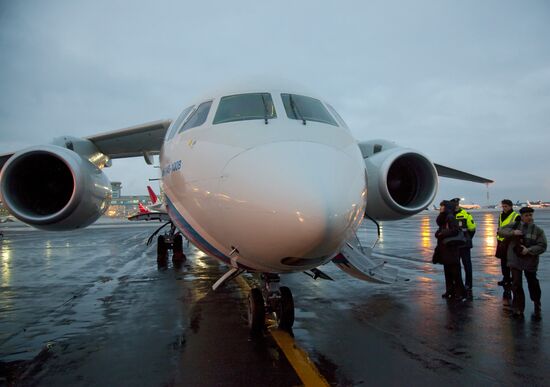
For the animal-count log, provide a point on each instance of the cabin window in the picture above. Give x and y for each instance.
(241, 107)
(176, 125)
(198, 117)
(299, 107)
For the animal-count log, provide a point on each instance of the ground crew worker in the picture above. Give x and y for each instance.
(508, 216)
(468, 226)
(527, 242)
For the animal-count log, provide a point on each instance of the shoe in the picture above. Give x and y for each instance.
(507, 295)
(469, 295)
(446, 295)
(501, 283)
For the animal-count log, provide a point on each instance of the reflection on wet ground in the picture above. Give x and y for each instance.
(94, 300)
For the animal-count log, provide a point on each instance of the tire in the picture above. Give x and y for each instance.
(285, 311)
(162, 249)
(256, 311)
(177, 249)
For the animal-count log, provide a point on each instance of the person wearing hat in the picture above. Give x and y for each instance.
(507, 217)
(527, 242)
(468, 226)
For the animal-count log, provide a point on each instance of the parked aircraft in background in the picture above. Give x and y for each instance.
(470, 206)
(156, 204)
(7, 218)
(268, 181)
(533, 204)
(142, 209)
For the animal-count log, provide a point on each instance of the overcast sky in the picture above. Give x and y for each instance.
(465, 82)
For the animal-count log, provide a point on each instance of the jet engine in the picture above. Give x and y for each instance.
(54, 188)
(400, 181)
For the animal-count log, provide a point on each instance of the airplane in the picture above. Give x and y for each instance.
(470, 206)
(142, 209)
(157, 205)
(7, 218)
(538, 204)
(267, 180)
(155, 211)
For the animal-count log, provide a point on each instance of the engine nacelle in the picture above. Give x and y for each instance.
(400, 182)
(54, 188)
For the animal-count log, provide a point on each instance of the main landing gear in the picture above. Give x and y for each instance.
(271, 298)
(170, 240)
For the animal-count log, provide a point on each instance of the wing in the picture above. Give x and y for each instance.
(451, 173)
(134, 141)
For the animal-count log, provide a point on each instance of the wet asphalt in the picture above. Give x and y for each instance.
(91, 307)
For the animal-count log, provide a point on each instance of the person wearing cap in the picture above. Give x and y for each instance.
(468, 226)
(446, 254)
(527, 242)
(507, 217)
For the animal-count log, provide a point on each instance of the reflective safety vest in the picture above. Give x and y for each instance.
(465, 220)
(509, 219)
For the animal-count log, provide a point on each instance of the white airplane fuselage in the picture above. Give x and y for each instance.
(276, 197)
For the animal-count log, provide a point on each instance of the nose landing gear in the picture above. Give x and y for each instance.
(171, 239)
(272, 298)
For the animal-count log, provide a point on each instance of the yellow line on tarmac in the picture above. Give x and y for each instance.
(297, 357)
(302, 364)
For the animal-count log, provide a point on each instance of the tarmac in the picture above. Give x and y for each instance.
(91, 307)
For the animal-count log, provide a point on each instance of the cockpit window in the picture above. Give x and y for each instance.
(338, 118)
(176, 125)
(241, 107)
(299, 107)
(198, 117)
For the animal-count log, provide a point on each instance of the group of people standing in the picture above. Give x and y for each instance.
(519, 243)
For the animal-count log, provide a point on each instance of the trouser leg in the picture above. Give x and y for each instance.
(448, 279)
(458, 285)
(518, 300)
(505, 270)
(466, 258)
(533, 285)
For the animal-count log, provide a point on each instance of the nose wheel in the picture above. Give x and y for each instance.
(272, 298)
(170, 240)
(285, 309)
(256, 311)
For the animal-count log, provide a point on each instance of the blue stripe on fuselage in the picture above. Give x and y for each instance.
(192, 234)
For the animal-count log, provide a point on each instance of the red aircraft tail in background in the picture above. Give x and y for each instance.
(142, 209)
(152, 195)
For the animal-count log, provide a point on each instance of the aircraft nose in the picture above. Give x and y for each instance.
(292, 200)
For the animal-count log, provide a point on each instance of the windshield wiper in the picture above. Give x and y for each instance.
(295, 109)
(266, 112)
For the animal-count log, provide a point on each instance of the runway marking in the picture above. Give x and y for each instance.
(296, 356)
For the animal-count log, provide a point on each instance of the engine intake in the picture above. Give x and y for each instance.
(54, 188)
(400, 182)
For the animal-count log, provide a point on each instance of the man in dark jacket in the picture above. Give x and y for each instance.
(447, 253)
(527, 242)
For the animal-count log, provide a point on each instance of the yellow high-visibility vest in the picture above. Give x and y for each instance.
(465, 220)
(511, 218)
